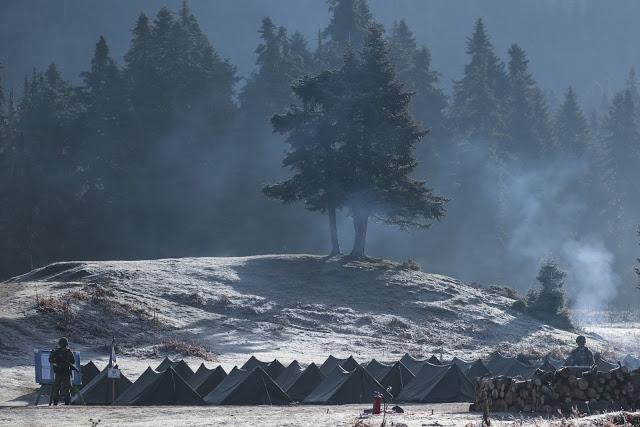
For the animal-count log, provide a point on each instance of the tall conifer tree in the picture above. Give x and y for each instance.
(528, 128)
(413, 68)
(571, 127)
(479, 98)
(347, 30)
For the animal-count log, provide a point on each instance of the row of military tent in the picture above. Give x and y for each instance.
(335, 381)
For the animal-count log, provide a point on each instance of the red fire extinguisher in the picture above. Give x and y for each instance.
(377, 403)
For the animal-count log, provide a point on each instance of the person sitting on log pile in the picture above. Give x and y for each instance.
(581, 355)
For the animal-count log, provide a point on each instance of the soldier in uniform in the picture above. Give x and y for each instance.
(63, 364)
(581, 355)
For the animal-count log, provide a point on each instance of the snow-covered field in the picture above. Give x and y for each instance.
(288, 307)
(442, 414)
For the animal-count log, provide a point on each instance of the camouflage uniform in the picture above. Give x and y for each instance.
(62, 361)
(580, 356)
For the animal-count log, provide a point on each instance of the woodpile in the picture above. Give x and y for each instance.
(563, 390)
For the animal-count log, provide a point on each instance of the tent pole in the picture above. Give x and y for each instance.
(265, 389)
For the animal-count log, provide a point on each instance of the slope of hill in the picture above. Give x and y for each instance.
(286, 306)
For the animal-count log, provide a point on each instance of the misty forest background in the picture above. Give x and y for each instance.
(157, 145)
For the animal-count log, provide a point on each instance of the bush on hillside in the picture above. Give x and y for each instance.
(548, 302)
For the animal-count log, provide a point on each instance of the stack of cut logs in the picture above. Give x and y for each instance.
(558, 391)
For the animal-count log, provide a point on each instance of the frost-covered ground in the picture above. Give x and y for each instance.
(287, 307)
(264, 416)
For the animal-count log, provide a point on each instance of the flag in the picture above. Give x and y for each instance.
(112, 356)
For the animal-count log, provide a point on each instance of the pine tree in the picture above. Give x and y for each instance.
(621, 156)
(104, 96)
(352, 145)
(402, 50)
(300, 55)
(50, 111)
(204, 82)
(413, 68)
(312, 134)
(528, 127)
(479, 98)
(347, 30)
(268, 90)
(379, 149)
(141, 86)
(571, 127)
(548, 303)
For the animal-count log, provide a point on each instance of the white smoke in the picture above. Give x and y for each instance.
(542, 216)
(590, 266)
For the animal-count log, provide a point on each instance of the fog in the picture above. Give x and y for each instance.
(519, 214)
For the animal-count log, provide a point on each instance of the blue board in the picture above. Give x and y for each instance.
(44, 372)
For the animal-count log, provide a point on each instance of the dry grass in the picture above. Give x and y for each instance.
(59, 309)
(185, 348)
(410, 264)
(79, 295)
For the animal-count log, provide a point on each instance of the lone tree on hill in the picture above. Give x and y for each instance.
(352, 145)
(313, 136)
(379, 149)
(548, 303)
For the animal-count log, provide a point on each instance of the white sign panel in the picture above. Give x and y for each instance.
(113, 373)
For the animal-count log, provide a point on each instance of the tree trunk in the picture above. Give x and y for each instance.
(360, 222)
(333, 230)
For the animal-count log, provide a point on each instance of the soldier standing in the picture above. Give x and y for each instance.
(581, 355)
(63, 364)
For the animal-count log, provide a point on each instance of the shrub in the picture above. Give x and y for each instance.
(548, 302)
(186, 348)
(505, 291)
(410, 264)
(58, 308)
(519, 305)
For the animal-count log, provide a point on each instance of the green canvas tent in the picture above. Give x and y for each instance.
(162, 389)
(202, 370)
(100, 390)
(310, 378)
(244, 387)
(462, 364)
(499, 364)
(166, 363)
(184, 370)
(208, 379)
(342, 387)
(604, 365)
(478, 370)
(330, 364)
(377, 369)
(274, 369)
(438, 384)
(547, 366)
(434, 360)
(147, 377)
(348, 364)
(631, 362)
(289, 375)
(413, 364)
(253, 362)
(557, 363)
(397, 378)
(519, 369)
(89, 371)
